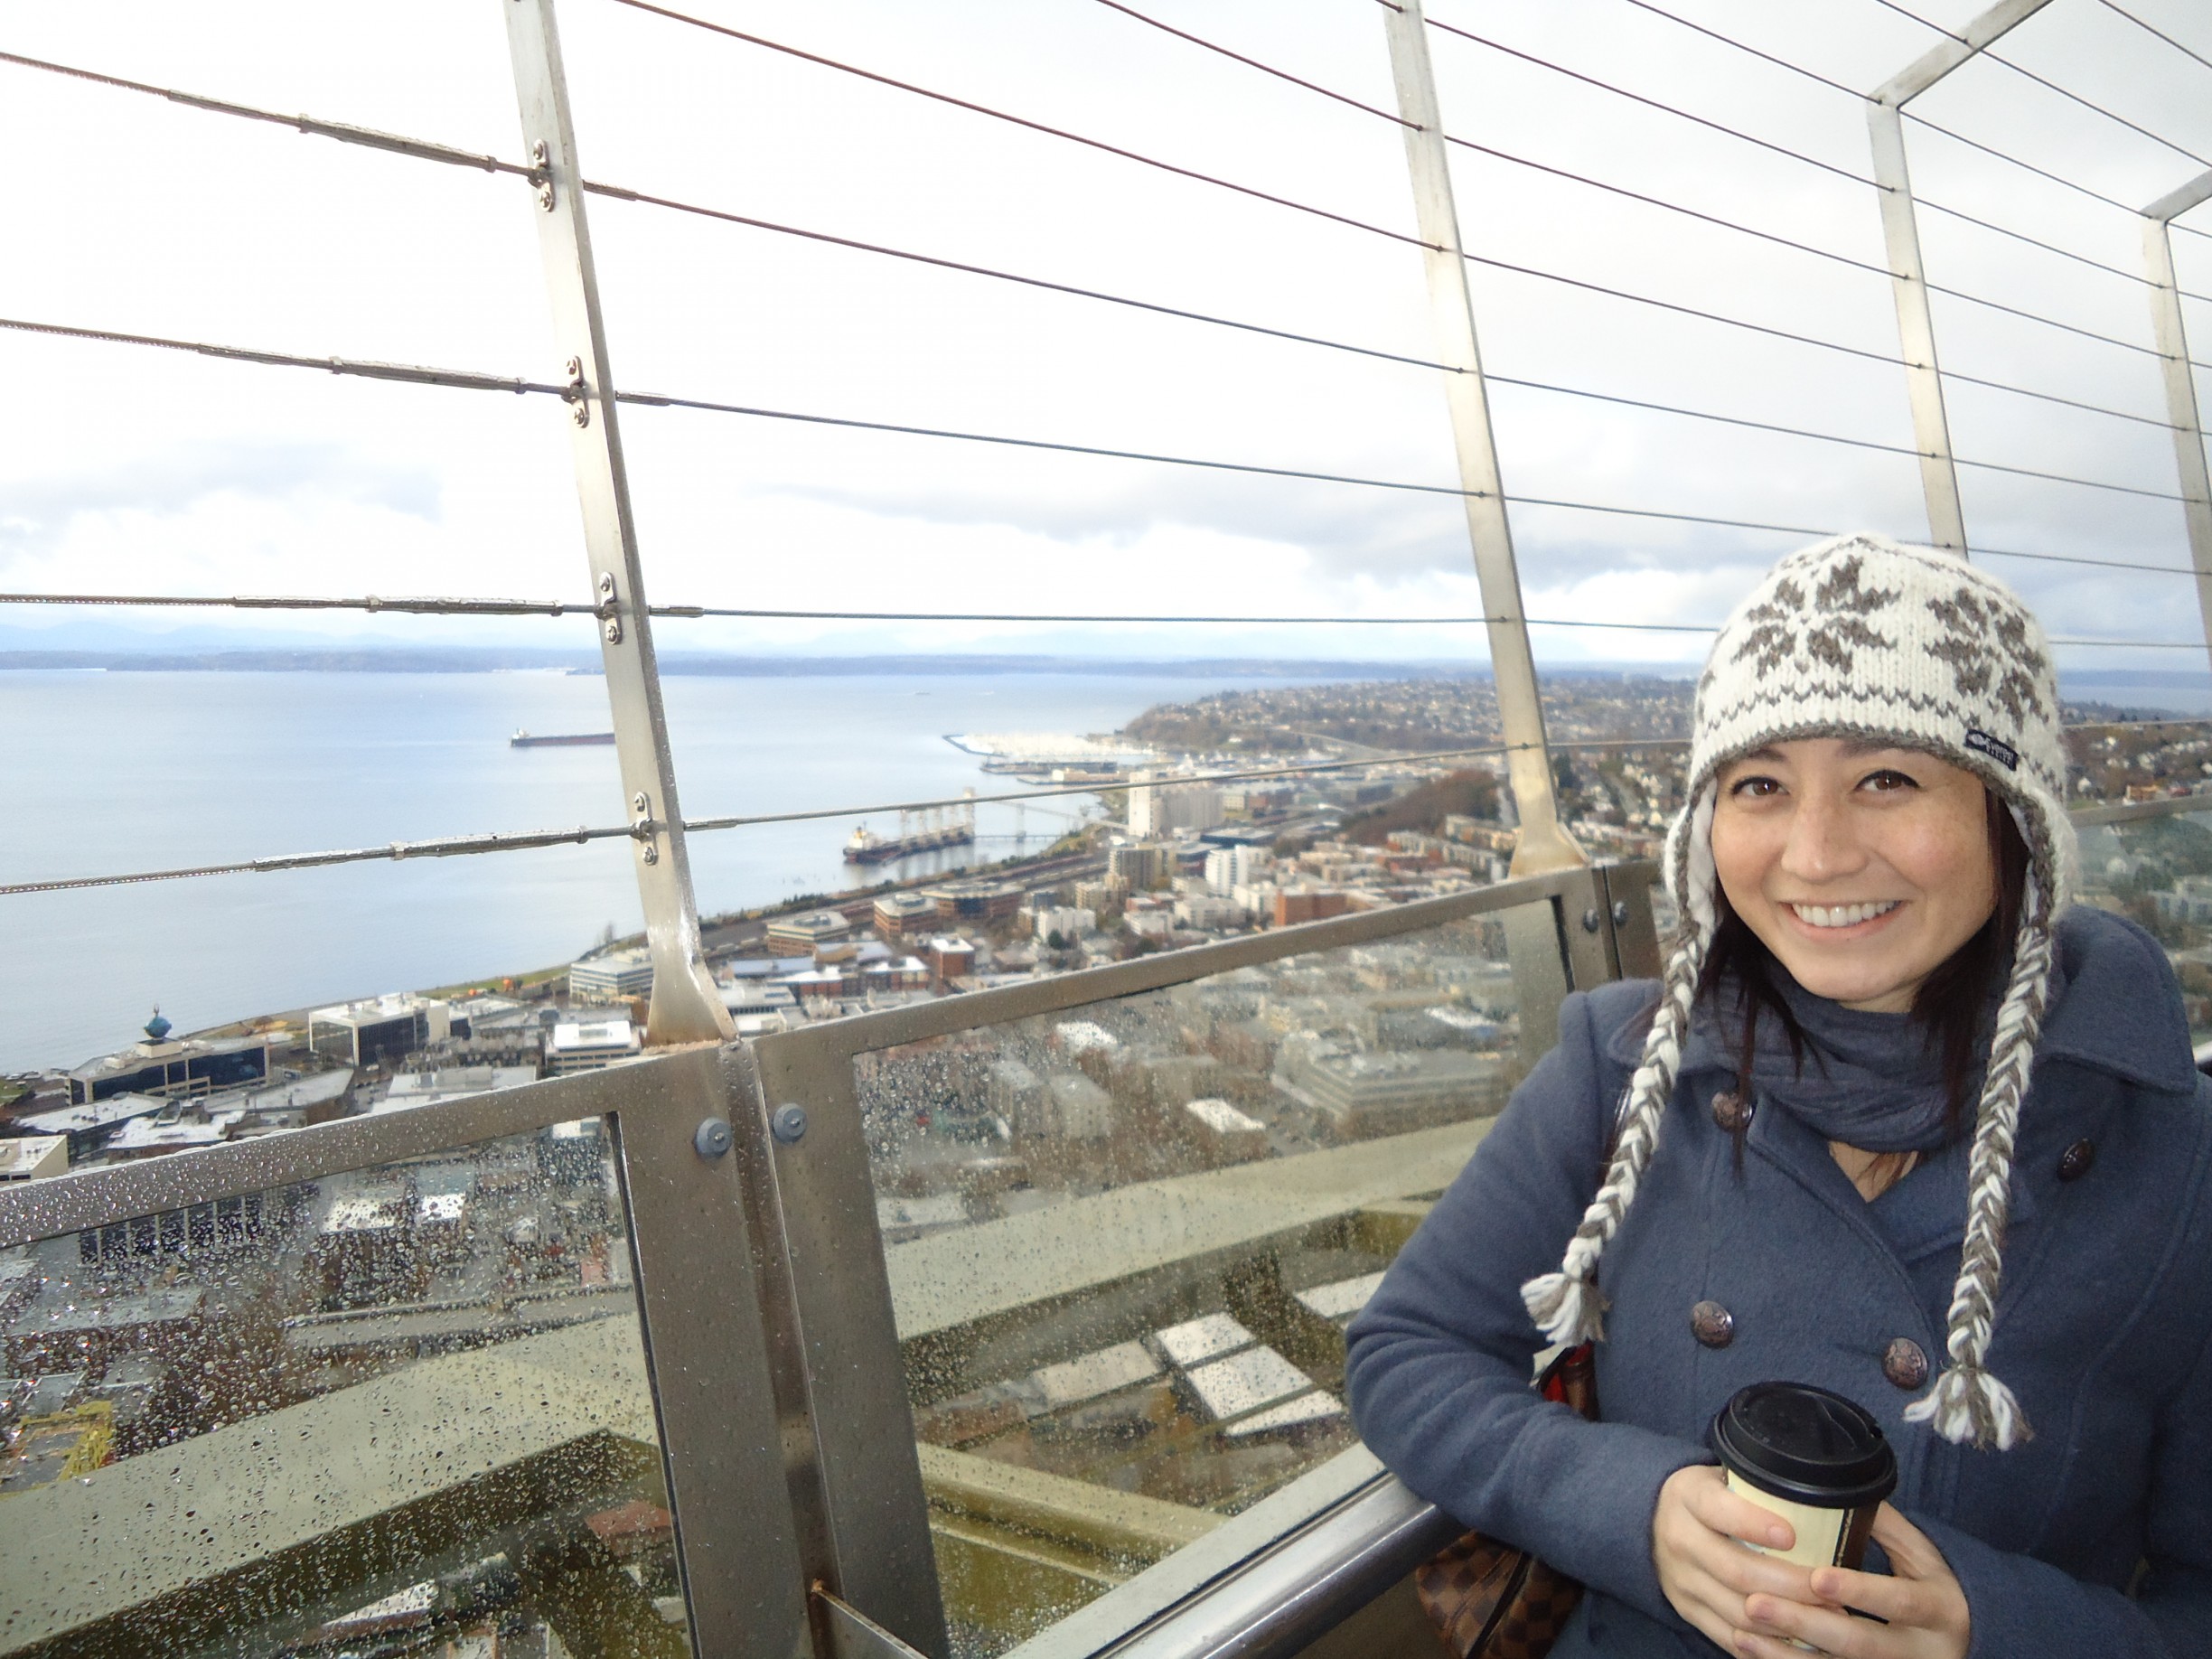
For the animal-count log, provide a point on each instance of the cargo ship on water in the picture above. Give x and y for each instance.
(560, 740)
(930, 829)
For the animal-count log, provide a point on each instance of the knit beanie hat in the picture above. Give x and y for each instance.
(1859, 637)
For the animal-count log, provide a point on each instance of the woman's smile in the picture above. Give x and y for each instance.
(1839, 918)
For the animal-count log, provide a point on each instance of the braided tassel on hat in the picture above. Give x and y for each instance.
(1568, 1304)
(1969, 1406)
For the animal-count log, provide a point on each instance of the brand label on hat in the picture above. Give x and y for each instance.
(1996, 751)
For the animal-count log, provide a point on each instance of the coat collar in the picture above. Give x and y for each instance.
(2117, 1008)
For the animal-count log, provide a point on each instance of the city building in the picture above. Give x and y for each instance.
(1075, 1109)
(1204, 911)
(379, 1030)
(225, 1225)
(1156, 808)
(1070, 922)
(1015, 1093)
(978, 902)
(576, 1047)
(2188, 900)
(451, 1082)
(615, 977)
(905, 915)
(803, 935)
(176, 1127)
(758, 999)
(32, 1158)
(904, 973)
(950, 959)
(1141, 866)
(1308, 905)
(1221, 1134)
(160, 1065)
(1099, 895)
(1367, 1093)
(1227, 869)
(89, 1128)
(819, 985)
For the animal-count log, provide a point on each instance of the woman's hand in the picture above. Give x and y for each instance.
(1926, 1608)
(1698, 1531)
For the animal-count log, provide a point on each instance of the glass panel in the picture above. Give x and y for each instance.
(2158, 871)
(1124, 1241)
(399, 1410)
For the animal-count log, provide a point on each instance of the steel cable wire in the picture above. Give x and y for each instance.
(1980, 223)
(1265, 69)
(1995, 154)
(416, 374)
(657, 400)
(2186, 51)
(466, 380)
(510, 841)
(422, 149)
(1022, 121)
(1673, 110)
(622, 194)
(515, 842)
(1635, 195)
(1745, 46)
(1811, 74)
(2045, 82)
(427, 150)
(1920, 201)
(428, 606)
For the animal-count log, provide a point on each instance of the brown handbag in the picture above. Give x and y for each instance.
(1489, 1601)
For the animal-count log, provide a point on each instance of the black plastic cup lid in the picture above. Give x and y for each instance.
(1805, 1444)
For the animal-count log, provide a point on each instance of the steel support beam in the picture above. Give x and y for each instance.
(2170, 335)
(685, 1006)
(1544, 843)
(710, 1349)
(1909, 279)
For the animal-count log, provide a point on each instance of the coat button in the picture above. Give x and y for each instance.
(1731, 1111)
(1905, 1363)
(2075, 1161)
(1713, 1324)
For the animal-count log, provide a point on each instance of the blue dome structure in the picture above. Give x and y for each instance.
(157, 1027)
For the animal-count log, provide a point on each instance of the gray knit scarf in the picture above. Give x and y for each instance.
(1870, 1081)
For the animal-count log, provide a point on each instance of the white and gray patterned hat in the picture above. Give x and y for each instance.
(1860, 637)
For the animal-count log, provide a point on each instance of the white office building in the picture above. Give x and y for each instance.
(1156, 807)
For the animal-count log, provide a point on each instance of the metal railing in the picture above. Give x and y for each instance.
(773, 1350)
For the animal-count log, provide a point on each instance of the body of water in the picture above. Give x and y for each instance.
(123, 771)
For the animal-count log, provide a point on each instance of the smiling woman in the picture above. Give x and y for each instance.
(1825, 1108)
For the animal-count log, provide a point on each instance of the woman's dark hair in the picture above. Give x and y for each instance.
(1949, 1005)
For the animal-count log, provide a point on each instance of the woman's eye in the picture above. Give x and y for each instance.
(1887, 780)
(1757, 787)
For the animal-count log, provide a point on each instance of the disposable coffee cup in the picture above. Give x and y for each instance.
(1812, 1457)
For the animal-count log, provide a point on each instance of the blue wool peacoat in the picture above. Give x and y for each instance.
(2103, 1328)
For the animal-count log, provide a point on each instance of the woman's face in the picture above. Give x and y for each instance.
(1862, 868)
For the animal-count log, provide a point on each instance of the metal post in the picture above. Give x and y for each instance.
(685, 1005)
(2172, 337)
(1544, 843)
(1901, 237)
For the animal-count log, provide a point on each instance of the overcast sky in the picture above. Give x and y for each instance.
(135, 471)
